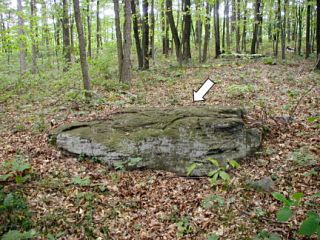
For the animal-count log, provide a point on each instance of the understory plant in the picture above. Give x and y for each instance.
(310, 225)
(220, 173)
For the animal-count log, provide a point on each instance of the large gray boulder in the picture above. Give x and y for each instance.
(163, 139)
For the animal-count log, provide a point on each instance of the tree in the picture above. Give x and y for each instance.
(283, 30)
(186, 54)
(66, 35)
(136, 19)
(145, 34)
(217, 28)
(126, 62)
(98, 28)
(238, 28)
(22, 51)
(206, 32)
(256, 27)
(118, 35)
(89, 29)
(318, 35)
(82, 48)
(308, 43)
(34, 29)
(174, 31)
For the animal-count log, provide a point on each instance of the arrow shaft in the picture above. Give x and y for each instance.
(205, 87)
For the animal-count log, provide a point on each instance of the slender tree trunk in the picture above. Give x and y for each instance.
(244, 31)
(45, 28)
(98, 28)
(118, 35)
(238, 28)
(308, 44)
(174, 31)
(318, 35)
(300, 11)
(126, 67)
(283, 30)
(278, 28)
(22, 50)
(136, 19)
(33, 22)
(145, 34)
(165, 30)
(186, 55)
(233, 16)
(152, 34)
(71, 34)
(256, 27)
(82, 48)
(206, 32)
(217, 28)
(89, 29)
(199, 30)
(66, 35)
(227, 25)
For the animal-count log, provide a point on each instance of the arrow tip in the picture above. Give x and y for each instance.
(197, 97)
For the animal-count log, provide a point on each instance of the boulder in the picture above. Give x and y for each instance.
(163, 139)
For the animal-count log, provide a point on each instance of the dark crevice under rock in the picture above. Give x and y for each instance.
(165, 139)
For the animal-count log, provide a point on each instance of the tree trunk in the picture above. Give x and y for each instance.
(89, 29)
(206, 32)
(244, 31)
(186, 55)
(278, 28)
(308, 44)
(136, 19)
(152, 34)
(217, 28)
(145, 34)
(283, 29)
(227, 25)
(238, 28)
(126, 67)
(174, 31)
(82, 48)
(300, 11)
(66, 35)
(256, 27)
(98, 28)
(165, 30)
(22, 50)
(118, 35)
(33, 22)
(318, 35)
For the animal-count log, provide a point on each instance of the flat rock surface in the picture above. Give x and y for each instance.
(163, 139)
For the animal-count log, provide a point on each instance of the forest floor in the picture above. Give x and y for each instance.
(70, 198)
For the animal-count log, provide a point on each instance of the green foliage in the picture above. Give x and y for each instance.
(265, 235)
(269, 61)
(16, 235)
(191, 168)
(239, 90)
(220, 172)
(303, 157)
(131, 162)
(81, 181)
(311, 225)
(184, 227)
(17, 169)
(14, 212)
(285, 213)
(212, 201)
(213, 236)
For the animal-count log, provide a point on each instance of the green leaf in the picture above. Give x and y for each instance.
(191, 168)
(214, 162)
(316, 194)
(310, 225)
(213, 179)
(225, 176)
(134, 161)
(213, 236)
(5, 177)
(280, 197)
(284, 214)
(234, 164)
(211, 173)
(297, 196)
(16, 235)
(81, 181)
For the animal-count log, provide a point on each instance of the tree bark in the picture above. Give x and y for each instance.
(152, 34)
(66, 35)
(300, 11)
(33, 27)
(82, 48)
(136, 19)
(238, 28)
(308, 43)
(227, 25)
(278, 28)
(318, 35)
(22, 50)
(89, 29)
(206, 32)
(98, 28)
(283, 30)
(256, 27)
(186, 55)
(244, 30)
(174, 31)
(217, 28)
(118, 35)
(126, 67)
(145, 34)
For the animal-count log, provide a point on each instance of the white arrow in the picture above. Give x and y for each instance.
(203, 90)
